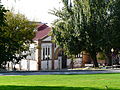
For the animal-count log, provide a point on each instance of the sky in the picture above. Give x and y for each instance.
(34, 10)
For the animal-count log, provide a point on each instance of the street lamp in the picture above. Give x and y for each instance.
(112, 50)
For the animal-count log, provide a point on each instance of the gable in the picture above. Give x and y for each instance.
(49, 38)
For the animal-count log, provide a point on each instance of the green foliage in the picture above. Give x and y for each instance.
(2, 14)
(2, 38)
(101, 56)
(116, 24)
(66, 30)
(88, 25)
(18, 34)
(77, 28)
(110, 32)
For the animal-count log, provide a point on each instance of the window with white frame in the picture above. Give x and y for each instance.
(46, 53)
(78, 55)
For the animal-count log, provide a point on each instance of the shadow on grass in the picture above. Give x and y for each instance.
(12, 87)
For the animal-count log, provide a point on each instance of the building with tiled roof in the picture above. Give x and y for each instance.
(45, 55)
(48, 51)
(48, 55)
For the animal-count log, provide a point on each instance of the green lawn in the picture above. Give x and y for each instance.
(61, 82)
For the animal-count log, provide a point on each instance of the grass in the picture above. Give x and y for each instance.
(61, 82)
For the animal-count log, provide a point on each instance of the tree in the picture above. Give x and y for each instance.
(18, 34)
(64, 29)
(110, 33)
(70, 31)
(116, 24)
(85, 25)
(96, 27)
(2, 14)
(2, 23)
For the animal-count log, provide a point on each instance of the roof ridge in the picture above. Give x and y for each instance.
(42, 27)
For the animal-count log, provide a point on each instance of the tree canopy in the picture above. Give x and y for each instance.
(2, 23)
(87, 25)
(18, 34)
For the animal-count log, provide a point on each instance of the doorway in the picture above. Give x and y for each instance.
(63, 60)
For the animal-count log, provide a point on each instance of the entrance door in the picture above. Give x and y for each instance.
(63, 60)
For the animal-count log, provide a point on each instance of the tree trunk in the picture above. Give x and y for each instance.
(71, 64)
(94, 58)
(0, 65)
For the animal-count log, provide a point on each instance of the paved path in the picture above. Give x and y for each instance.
(58, 72)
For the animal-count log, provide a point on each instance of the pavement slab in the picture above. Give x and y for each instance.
(64, 72)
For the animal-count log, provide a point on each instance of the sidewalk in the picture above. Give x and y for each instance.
(57, 72)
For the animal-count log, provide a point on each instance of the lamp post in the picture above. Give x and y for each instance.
(59, 64)
(112, 50)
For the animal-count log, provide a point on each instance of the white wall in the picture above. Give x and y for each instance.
(68, 63)
(47, 39)
(27, 65)
(33, 65)
(57, 64)
(44, 65)
(77, 62)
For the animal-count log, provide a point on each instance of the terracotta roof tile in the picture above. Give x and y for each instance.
(43, 31)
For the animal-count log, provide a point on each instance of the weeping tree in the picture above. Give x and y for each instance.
(80, 26)
(67, 29)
